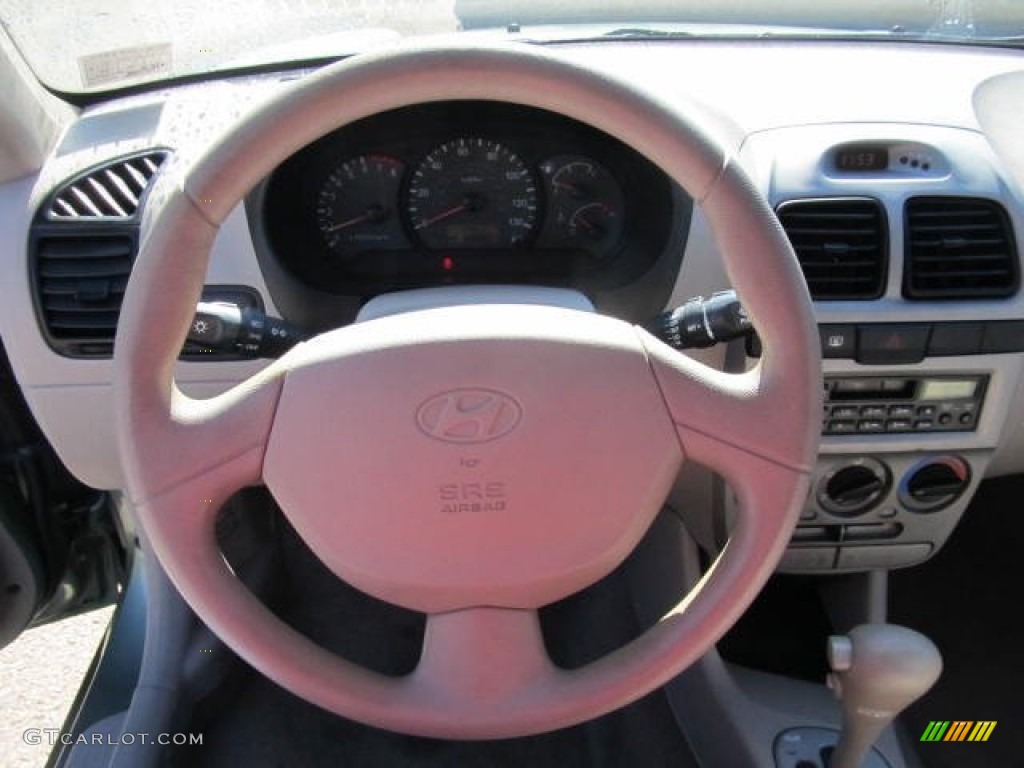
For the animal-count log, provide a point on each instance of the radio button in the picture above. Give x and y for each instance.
(901, 411)
(926, 410)
(966, 418)
(898, 425)
(874, 411)
(924, 424)
(945, 418)
(845, 412)
(870, 425)
(840, 427)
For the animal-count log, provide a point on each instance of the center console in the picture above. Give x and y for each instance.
(908, 236)
(902, 452)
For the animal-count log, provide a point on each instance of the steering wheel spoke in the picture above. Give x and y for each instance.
(723, 417)
(223, 436)
(484, 655)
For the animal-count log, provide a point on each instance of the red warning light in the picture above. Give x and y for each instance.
(448, 263)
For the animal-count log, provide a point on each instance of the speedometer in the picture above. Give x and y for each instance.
(472, 193)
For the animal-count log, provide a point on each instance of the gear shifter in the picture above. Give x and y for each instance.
(877, 671)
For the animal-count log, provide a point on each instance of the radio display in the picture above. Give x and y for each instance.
(854, 158)
(947, 389)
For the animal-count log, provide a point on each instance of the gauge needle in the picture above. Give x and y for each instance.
(575, 190)
(468, 204)
(593, 231)
(373, 213)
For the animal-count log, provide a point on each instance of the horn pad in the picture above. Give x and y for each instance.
(474, 461)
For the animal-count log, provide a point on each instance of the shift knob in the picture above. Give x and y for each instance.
(877, 671)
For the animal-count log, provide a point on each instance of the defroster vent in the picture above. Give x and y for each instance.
(841, 245)
(112, 191)
(958, 248)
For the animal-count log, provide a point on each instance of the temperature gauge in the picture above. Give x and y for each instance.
(585, 206)
(592, 222)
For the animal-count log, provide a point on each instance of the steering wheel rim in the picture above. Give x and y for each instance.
(184, 457)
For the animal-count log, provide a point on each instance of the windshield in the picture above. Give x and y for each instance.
(96, 45)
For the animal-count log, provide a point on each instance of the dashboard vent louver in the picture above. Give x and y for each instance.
(958, 248)
(80, 283)
(112, 191)
(841, 245)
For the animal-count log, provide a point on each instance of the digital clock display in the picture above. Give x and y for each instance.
(947, 389)
(855, 158)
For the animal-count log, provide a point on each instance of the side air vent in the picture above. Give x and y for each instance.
(82, 245)
(958, 248)
(112, 191)
(80, 282)
(841, 245)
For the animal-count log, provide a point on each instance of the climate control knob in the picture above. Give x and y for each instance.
(935, 483)
(853, 488)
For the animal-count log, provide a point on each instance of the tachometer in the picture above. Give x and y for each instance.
(472, 193)
(357, 206)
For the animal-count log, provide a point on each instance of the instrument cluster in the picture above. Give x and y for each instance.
(469, 193)
(466, 192)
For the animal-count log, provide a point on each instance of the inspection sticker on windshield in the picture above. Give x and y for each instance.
(125, 64)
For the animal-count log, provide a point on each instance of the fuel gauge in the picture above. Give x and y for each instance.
(585, 206)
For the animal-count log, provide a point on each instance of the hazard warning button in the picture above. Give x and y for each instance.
(892, 343)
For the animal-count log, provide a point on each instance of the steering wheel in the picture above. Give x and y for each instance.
(473, 463)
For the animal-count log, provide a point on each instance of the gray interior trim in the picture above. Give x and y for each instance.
(998, 106)
(30, 118)
(456, 296)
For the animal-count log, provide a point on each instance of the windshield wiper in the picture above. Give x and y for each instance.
(646, 33)
(588, 33)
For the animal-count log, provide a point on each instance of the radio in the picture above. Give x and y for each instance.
(901, 404)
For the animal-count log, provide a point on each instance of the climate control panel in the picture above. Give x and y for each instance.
(881, 511)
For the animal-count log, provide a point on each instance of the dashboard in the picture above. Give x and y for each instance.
(897, 171)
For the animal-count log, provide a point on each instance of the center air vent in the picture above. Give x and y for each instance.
(841, 245)
(112, 191)
(958, 247)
